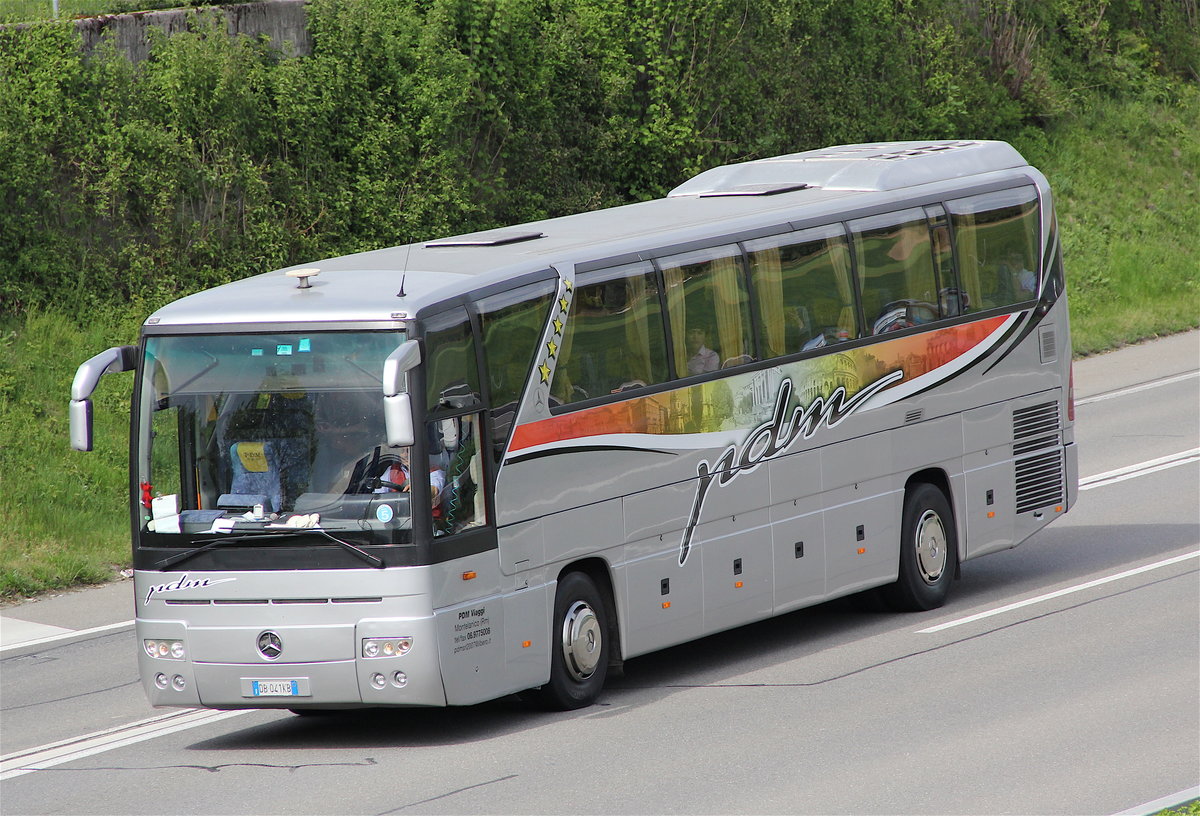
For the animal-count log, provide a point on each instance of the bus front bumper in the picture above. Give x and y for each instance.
(409, 679)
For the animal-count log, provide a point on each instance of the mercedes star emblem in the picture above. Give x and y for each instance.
(269, 645)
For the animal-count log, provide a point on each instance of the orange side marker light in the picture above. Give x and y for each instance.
(469, 575)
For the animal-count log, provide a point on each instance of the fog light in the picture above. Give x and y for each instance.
(164, 649)
(378, 680)
(160, 680)
(399, 679)
(386, 647)
(178, 683)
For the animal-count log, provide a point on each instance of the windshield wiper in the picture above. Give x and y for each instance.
(179, 558)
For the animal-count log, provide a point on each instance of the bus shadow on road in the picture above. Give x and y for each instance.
(1056, 557)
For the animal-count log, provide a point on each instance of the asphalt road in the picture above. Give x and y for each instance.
(1063, 676)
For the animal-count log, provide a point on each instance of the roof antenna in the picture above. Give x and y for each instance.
(404, 274)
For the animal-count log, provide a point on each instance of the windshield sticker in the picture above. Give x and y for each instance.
(184, 583)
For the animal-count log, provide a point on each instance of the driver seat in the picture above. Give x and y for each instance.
(257, 476)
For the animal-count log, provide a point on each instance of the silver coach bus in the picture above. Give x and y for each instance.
(504, 462)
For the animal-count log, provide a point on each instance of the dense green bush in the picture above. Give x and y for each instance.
(218, 158)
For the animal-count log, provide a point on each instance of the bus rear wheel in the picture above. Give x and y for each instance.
(928, 551)
(579, 651)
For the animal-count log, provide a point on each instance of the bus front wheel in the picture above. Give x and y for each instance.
(579, 651)
(928, 551)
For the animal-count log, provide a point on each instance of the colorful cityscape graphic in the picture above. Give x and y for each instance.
(743, 401)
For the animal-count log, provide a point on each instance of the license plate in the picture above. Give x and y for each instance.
(274, 688)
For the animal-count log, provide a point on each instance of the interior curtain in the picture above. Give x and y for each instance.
(637, 335)
(966, 236)
(839, 259)
(727, 288)
(768, 286)
(677, 313)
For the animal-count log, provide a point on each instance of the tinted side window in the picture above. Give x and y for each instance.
(803, 289)
(614, 339)
(511, 323)
(452, 373)
(895, 271)
(996, 235)
(709, 310)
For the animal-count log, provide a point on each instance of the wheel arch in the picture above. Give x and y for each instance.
(938, 477)
(601, 573)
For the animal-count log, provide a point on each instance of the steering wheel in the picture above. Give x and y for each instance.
(372, 476)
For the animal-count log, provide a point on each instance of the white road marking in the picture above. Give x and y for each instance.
(1173, 801)
(1133, 389)
(56, 753)
(1140, 469)
(1059, 593)
(74, 633)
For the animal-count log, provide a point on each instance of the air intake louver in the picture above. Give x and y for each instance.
(1035, 427)
(1049, 344)
(1040, 477)
(1039, 481)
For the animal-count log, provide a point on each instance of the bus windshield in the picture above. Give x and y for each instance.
(267, 433)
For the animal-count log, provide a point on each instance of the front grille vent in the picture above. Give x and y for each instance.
(274, 601)
(1035, 427)
(914, 415)
(1039, 481)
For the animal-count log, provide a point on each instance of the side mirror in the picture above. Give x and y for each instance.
(398, 421)
(118, 358)
(397, 404)
(404, 359)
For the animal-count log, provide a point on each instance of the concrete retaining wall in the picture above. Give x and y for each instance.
(282, 21)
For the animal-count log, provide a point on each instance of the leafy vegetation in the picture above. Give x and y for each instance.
(1191, 808)
(31, 11)
(127, 185)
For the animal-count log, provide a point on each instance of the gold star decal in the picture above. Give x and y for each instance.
(544, 370)
(552, 347)
(562, 302)
(558, 326)
(568, 285)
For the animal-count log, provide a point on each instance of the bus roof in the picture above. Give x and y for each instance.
(763, 196)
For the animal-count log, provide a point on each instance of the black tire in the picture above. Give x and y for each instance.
(579, 645)
(928, 552)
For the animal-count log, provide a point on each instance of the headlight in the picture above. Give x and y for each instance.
(165, 649)
(386, 647)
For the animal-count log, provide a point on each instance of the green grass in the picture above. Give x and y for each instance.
(67, 517)
(1190, 809)
(1128, 202)
(1126, 179)
(29, 11)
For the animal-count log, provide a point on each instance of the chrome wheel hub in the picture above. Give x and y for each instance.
(931, 547)
(582, 638)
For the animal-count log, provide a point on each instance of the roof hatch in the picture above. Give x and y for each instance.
(489, 238)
